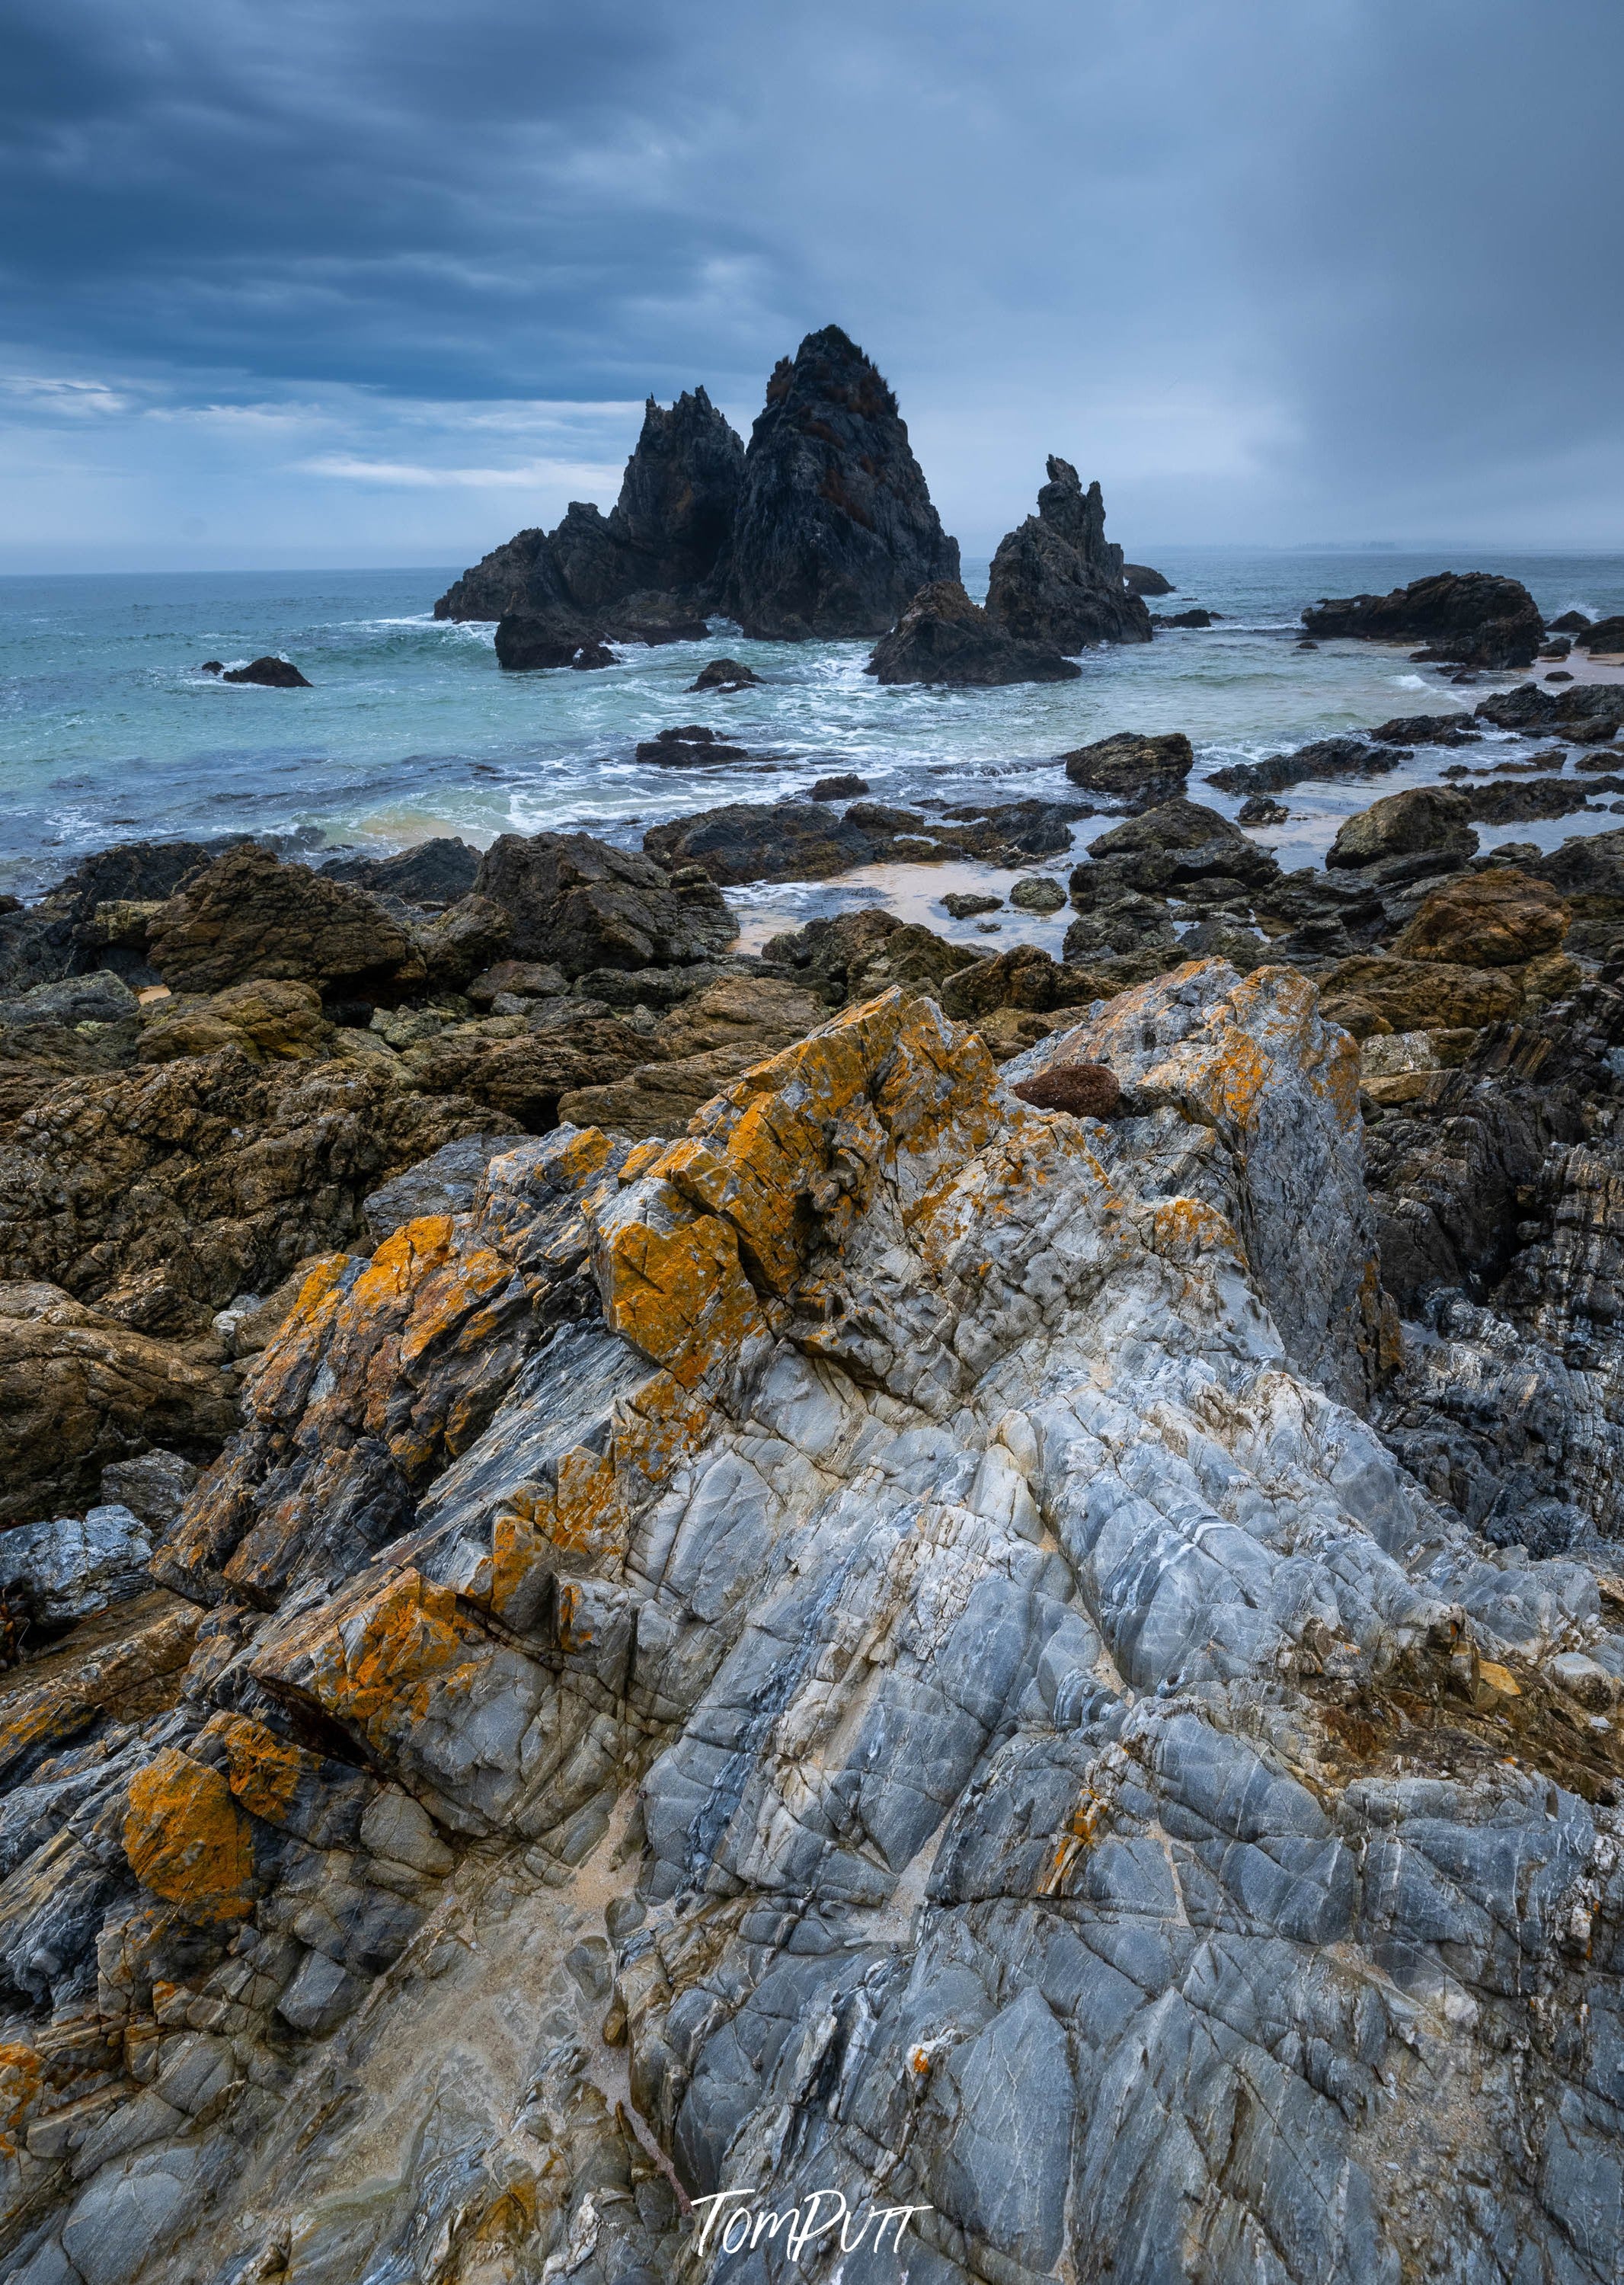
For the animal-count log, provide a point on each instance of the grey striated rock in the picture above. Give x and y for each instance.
(74, 1565)
(1057, 579)
(859, 1652)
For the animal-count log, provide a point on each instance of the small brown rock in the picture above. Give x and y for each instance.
(1086, 1090)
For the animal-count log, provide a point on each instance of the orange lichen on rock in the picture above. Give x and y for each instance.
(672, 1284)
(187, 1840)
(20, 2072)
(262, 1770)
(1080, 1829)
(1181, 1230)
(370, 1664)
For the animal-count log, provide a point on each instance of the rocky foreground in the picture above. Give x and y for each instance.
(632, 1574)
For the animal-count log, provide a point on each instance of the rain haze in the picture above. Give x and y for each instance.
(302, 286)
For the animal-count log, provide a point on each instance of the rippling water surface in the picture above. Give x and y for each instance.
(107, 732)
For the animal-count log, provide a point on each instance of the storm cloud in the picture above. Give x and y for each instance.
(327, 282)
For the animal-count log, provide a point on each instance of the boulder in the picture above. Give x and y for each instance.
(805, 841)
(758, 841)
(1084, 1090)
(160, 1193)
(517, 1067)
(1422, 821)
(1607, 636)
(966, 905)
(649, 570)
(943, 637)
(72, 1566)
(1261, 809)
(460, 943)
(856, 955)
(260, 1019)
(1581, 710)
(248, 915)
(517, 979)
(269, 673)
(79, 1389)
(698, 1050)
(834, 531)
(1131, 766)
(1473, 618)
(1423, 996)
(1197, 618)
(1496, 919)
(845, 786)
(690, 747)
(528, 642)
(154, 1486)
(1024, 977)
(1427, 730)
(1571, 623)
(1325, 758)
(446, 1182)
(1526, 798)
(433, 873)
(578, 903)
(1169, 848)
(726, 674)
(1139, 579)
(1057, 580)
(1039, 893)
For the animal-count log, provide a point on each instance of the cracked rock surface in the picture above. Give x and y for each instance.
(870, 1647)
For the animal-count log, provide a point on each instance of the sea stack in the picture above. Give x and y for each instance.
(835, 532)
(649, 570)
(1057, 579)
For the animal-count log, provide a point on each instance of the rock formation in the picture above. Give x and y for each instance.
(983, 1584)
(1130, 766)
(943, 637)
(649, 570)
(835, 532)
(1057, 579)
(1473, 618)
(269, 673)
(1141, 580)
(808, 841)
(867, 1650)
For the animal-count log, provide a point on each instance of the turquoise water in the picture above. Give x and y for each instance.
(108, 733)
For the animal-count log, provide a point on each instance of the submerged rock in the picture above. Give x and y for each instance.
(1325, 758)
(1057, 580)
(834, 531)
(270, 673)
(726, 674)
(1472, 618)
(943, 637)
(688, 747)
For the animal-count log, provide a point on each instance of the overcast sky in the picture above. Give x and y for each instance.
(291, 282)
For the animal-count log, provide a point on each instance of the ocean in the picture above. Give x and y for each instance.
(109, 733)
